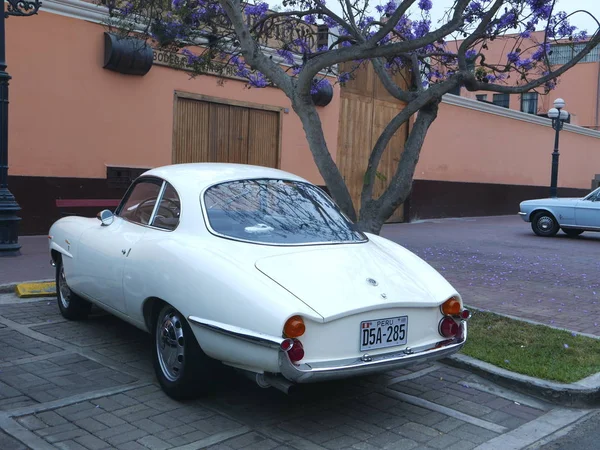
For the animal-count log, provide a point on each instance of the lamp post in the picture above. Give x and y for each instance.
(9, 221)
(558, 116)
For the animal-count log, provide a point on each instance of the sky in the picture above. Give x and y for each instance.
(440, 7)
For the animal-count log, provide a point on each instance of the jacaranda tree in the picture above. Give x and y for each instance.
(274, 46)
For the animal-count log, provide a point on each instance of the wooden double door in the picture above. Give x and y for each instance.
(210, 131)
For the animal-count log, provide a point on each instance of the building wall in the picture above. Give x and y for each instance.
(481, 159)
(579, 86)
(70, 118)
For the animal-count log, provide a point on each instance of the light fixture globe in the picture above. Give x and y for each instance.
(564, 114)
(553, 113)
(559, 103)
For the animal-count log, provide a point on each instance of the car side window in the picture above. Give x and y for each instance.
(139, 205)
(169, 208)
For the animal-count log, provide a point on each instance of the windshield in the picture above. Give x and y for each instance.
(593, 195)
(274, 211)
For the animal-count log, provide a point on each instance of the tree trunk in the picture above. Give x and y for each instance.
(374, 213)
(313, 130)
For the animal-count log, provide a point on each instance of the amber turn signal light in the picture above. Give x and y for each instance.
(451, 307)
(294, 327)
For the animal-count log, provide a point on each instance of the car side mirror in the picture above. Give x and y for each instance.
(106, 217)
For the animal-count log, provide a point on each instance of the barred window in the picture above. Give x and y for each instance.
(529, 102)
(502, 100)
(481, 97)
(563, 53)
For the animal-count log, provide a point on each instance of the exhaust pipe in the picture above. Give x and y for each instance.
(265, 380)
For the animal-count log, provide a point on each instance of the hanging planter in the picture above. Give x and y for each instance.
(127, 55)
(322, 92)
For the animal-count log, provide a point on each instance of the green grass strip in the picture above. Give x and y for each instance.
(535, 350)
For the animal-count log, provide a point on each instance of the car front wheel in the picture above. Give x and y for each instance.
(183, 370)
(571, 232)
(544, 224)
(71, 306)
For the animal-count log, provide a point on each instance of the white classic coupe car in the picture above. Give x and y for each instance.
(572, 215)
(258, 269)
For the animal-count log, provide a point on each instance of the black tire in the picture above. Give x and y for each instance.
(71, 305)
(571, 232)
(544, 224)
(185, 371)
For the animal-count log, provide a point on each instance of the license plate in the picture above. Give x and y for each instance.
(381, 333)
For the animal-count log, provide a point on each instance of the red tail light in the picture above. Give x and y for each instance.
(465, 314)
(448, 327)
(296, 353)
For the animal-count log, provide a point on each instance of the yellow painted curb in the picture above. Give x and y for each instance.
(28, 290)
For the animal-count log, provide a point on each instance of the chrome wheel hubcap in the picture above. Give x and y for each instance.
(170, 345)
(545, 223)
(65, 292)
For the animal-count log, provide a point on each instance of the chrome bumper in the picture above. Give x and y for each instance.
(310, 373)
(524, 216)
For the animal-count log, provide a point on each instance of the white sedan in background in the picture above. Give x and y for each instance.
(258, 269)
(572, 215)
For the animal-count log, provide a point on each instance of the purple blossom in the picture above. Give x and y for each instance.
(258, 10)
(541, 52)
(421, 27)
(318, 85)
(343, 77)
(525, 64)
(425, 5)
(471, 53)
(257, 80)
(310, 19)
(512, 57)
(287, 56)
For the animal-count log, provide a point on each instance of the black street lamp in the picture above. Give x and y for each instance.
(9, 221)
(558, 116)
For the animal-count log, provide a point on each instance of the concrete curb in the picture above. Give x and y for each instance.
(581, 394)
(10, 288)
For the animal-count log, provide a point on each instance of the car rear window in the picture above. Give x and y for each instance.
(280, 212)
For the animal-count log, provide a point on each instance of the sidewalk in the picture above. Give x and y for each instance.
(32, 265)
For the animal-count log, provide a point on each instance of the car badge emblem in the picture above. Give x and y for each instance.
(383, 295)
(366, 357)
(372, 282)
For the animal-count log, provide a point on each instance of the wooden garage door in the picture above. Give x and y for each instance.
(206, 131)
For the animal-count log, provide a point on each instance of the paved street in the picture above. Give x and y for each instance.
(497, 263)
(90, 385)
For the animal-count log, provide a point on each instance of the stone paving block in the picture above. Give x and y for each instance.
(367, 446)
(323, 436)
(473, 433)
(111, 431)
(443, 441)
(417, 432)
(391, 440)
(90, 424)
(148, 425)
(49, 431)
(50, 418)
(66, 435)
(31, 422)
(471, 408)
(429, 419)
(91, 442)
(69, 445)
(131, 446)
(340, 442)
(15, 345)
(462, 444)
(126, 437)
(153, 443)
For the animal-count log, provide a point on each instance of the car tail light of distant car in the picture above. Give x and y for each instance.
(294, 327)
(448, 327)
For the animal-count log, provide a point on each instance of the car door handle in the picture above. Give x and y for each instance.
(123, 251)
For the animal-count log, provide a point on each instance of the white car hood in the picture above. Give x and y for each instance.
(333, 279)
(551, 201)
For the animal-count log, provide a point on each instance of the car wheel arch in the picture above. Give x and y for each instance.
(150, 308)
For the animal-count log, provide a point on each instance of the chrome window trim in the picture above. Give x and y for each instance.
(163, 188)
(158, 200)
(275, 244)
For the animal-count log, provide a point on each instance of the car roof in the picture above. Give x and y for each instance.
(201, 175)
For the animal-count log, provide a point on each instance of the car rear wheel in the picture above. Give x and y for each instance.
(183, 370)
(544, 224)
(572, 232)
(71, 305)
